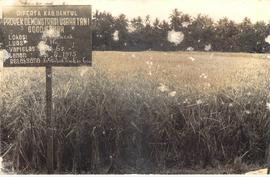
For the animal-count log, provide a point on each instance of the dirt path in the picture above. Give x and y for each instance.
(258, 172)
(4, 171)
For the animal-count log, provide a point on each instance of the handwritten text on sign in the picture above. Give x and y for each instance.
(47, 35)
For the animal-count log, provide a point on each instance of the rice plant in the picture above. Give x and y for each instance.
(116, 117)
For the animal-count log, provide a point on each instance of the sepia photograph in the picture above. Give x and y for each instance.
(163, 87)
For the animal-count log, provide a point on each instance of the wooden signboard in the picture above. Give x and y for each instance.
(47, 35)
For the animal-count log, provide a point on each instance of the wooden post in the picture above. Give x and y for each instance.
(268, 163)
(50, 127)
(268, 158)
(267, 153)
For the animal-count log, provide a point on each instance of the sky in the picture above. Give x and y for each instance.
(256, 10)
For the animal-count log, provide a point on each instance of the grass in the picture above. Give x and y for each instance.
(144, 112)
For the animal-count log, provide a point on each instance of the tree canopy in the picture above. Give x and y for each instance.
(200, 33)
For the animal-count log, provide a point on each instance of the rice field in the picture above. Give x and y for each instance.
(140, 112)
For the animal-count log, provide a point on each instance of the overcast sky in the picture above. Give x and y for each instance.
(256, 10)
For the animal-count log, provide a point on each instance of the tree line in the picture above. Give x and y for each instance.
(120, 33)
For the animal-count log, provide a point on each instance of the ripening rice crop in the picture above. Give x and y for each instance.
(143, 112)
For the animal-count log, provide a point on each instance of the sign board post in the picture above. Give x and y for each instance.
(268, 150)
(50, 120)
(47, 36)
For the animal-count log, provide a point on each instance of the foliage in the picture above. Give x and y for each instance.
(118, 118)
(224, 35)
